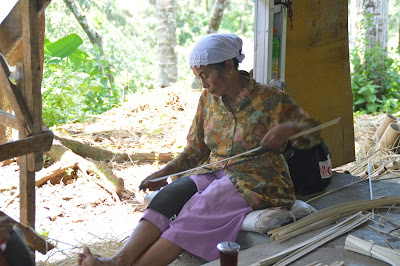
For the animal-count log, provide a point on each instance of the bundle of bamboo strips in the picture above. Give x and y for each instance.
(328, 215)
(291, 254)
(387, 255)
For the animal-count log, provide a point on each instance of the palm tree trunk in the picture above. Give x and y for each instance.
(216, 15)
(166, 38)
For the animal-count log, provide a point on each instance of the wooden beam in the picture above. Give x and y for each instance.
(15, 99)
(11, 27)
(36, 143)
(32, 73)
(33, 240)
(9, 120)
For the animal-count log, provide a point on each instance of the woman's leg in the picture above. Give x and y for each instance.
(163, 252)
(144, 235)
(166, 205)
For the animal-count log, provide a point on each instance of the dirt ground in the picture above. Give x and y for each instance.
(77, 211)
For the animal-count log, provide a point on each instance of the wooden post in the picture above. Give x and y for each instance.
(32, 73)
(33, 100)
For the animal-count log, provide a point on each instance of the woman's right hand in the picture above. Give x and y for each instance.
(152, 186)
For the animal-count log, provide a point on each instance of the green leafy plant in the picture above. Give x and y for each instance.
(75, 85)
(45, 233)
(375, 78)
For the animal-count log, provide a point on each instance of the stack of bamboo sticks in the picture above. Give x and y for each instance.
(289, 255)
(351, 210)
(370, 249)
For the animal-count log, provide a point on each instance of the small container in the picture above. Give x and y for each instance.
(228, 253)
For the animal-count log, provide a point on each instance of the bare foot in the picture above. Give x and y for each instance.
(88, 259)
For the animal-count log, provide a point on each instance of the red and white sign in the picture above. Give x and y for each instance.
(325, 168)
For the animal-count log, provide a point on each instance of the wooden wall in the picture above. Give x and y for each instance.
(11, 46)
(318, 70)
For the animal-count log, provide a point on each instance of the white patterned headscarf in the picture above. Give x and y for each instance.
(216, 48)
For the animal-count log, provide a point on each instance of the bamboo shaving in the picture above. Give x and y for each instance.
(370, 249)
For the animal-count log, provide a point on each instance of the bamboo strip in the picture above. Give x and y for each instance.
(370, 249)
(389, 219)
(375, 178)
(306, 246)
(311, 227)
(334, 190)
(385, 232)
(395, 173)
(338, 209)
(315, 263)
(346, 227)
(337, 263)
(318, 216)
(364, 161)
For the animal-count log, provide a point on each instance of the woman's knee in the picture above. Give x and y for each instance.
(170, 200)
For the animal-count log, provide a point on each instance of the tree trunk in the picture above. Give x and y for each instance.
(355, 17)
(374, 30)
(93, 35)
(213, 26)
(216, 15)
(166, 39)
(378, 33)
(242, 19)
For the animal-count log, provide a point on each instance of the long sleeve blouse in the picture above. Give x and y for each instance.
(217, 132)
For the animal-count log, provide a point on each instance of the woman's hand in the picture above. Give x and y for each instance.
(6, 225)
(152, 186)
(276, 136)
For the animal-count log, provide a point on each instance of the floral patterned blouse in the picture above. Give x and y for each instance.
(263, 180)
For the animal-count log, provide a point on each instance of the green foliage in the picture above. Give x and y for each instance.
(375, 78)
(188, 29)
(238, 18)
(63, 47)
(75, 86)
(45, 233)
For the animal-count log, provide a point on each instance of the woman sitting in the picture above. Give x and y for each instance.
(235, 114)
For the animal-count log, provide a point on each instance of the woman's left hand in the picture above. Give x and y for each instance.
(276, 136)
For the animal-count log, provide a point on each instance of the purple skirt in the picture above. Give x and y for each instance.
(213, 215)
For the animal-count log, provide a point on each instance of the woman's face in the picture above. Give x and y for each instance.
(214, 80)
